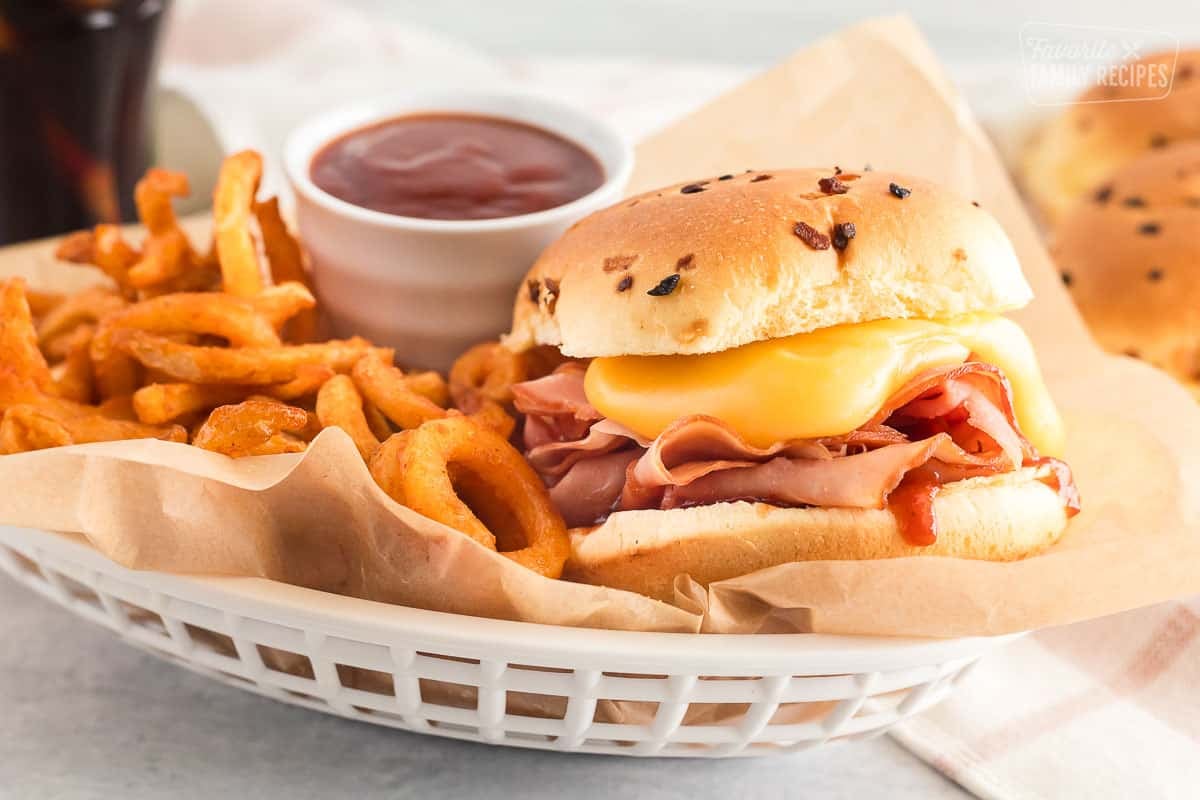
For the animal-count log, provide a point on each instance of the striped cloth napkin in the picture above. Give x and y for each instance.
(1108, 708)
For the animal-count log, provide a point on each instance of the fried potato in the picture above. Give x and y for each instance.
(468, 477)
(30, 427)
(487, 370)
(340, 405)
(233, 202)
(18, 339)
(385, 386)
(280, 303)
(85, 308)
(287, 264)
(246, 365)
(74, 380)
(253, 428)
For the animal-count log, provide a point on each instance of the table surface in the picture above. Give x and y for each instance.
(84, 715)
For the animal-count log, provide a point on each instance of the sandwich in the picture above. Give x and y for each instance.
(787, 366)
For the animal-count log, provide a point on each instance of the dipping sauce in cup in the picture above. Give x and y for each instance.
(422, 212)
(455, 166)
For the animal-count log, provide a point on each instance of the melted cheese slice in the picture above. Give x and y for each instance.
(824, 383)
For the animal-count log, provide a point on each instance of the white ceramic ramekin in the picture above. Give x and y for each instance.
(432, 288)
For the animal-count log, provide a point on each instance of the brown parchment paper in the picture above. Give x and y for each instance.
(871, 94)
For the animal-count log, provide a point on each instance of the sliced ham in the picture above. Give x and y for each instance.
(858, 481)
(589, 490)
(946, 424)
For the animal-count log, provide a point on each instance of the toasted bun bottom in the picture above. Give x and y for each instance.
(997, 518)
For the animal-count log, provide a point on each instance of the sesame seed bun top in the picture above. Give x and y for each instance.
(727, 260)
(1129, 255)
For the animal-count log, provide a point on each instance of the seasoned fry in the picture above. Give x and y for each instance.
(78, 248)
(248, 365)
(387, 465)
(18, 339)
(430, 385)
(377, 421)
(118, 407)
(25, 428)
(309, 378)
(86, 308)
(280, 303)
(488, 370)
(102, 247)
(444, 457)
(492, 415)
(230, 318)
(42, 302)
(253, 428)
(212, 314)
(74, 381)
(340, 405)
(233, 202)
(160, 403)
(165, 257)
(384, 385)
(30, 427)
(287, 264)
(114, 256)
(153, 194)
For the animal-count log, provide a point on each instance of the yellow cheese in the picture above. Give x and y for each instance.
(823, 383)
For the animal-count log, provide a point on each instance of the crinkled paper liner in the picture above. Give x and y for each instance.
(871, 94)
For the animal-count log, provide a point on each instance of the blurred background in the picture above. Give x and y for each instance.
(81, 74)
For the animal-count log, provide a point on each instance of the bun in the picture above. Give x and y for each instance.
(998, 518)
(744, 274)
(1128, 256)
(1082, 146)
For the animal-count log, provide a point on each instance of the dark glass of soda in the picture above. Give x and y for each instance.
(75, 132)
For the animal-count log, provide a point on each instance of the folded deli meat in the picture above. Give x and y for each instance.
(946, 424)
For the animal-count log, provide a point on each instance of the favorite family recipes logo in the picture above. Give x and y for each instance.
(1067, 64)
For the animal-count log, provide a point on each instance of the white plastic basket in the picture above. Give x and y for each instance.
(568, 689)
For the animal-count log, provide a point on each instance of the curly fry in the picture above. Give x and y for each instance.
(430, 385)
(86, 308)
(387, 465)
(384, 385)
(309, 379)
(74, 382)
(287, 264)
(488, 370)
(114, 256)
(230, 318)
(491, 415)
(283, 302)
(459, 473)
(78, 248)
(101, 247)
(153, 194)
(29, 427)
(165, 257)
(160, 403)
(340, 405)
(18, 339)
(232, 203)
(42, 302)
(118, 407)
(376, 421)
(253, 428)
(248, 365)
